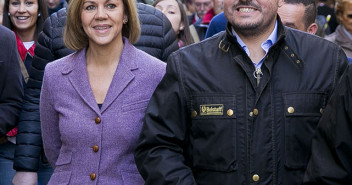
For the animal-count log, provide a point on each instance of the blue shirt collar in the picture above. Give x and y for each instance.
(266, 45)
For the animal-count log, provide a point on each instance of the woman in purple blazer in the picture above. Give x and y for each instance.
(93, 101)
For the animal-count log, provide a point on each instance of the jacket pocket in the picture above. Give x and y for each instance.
(63, 163)
(131, 117)
(302, 114)
(132, 178)
(60, 178)
(135, 106)
(213, 132)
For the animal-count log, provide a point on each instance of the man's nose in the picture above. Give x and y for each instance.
(202, 7)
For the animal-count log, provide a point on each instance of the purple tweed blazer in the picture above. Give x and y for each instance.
(85, 144)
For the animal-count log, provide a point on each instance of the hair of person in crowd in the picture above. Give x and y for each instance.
(74, 36)
(340, 7)
(183, 32)
(310, 12)
(42, 15)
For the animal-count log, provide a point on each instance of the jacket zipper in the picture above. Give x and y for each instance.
(258, 75)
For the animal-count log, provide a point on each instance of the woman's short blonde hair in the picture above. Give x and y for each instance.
(341, 5)
(74, 35)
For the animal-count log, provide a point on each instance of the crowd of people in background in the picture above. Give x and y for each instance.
(132, 92)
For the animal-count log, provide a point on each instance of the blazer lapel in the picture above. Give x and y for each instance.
(79, 79)
(123, 75)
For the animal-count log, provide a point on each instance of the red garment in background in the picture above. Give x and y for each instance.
(208, 16)
(23, 52)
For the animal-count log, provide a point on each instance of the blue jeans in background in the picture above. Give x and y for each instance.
(7, 152)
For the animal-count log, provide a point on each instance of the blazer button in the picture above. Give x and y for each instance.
(97, 120)
(93, 176)
(95, 148)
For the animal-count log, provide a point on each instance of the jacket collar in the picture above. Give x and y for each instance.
(21, 49)
(77, 74)
(231, 41)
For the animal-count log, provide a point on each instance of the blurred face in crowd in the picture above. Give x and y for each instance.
(218, 6)
(172, 11)
(202, 6)
(190, 6)
(102, 21)
(292, 16)
(24, 14)
(2, 2)
(53, 3)
(251, 17)
(345, 17)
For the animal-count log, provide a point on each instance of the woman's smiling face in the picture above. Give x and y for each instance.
(24, 14)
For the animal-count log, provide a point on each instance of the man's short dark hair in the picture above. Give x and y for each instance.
(310, 12)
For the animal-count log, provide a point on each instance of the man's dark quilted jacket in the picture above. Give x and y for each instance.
(157, 38)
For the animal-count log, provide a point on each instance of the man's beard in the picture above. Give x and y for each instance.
(250, 29)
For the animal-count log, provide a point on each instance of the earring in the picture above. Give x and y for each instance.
(39, 15)
(124, 21)
(8, 14)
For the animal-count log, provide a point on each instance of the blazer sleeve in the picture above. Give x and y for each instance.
(331, 161)
(49, 121)
(162, 144)
(11, 87)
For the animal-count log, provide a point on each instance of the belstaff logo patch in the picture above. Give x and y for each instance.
(212, 110)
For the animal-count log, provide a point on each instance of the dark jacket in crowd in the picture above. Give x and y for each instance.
(331, 161)
(200, 28)
(11, 87)
(157, 39)
(157, 36)
(325, 10)
(210, 123)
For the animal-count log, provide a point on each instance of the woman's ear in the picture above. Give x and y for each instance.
(182, 26)
(125, 19)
